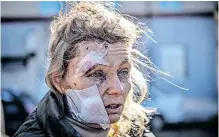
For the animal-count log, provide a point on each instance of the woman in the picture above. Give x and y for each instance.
(95, 83)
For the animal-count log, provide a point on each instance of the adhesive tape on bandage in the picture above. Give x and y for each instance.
(92, 58)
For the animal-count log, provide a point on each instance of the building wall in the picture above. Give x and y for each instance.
(196, 37)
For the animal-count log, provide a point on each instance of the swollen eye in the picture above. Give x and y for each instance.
(99, 75)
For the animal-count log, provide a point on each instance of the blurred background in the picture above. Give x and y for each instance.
(187, 48)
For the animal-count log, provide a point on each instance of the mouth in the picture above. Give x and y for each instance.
(113, 106)
(113, 109)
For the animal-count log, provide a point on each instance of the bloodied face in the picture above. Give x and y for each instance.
(108, 67)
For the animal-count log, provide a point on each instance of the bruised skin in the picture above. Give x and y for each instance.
(115, 85)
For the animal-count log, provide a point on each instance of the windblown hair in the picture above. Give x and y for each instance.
(84, 21)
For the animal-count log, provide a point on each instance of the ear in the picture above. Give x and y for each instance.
(58, 83)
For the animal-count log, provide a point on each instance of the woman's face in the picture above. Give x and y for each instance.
(111, 77)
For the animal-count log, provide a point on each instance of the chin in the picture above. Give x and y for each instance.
(114, 118)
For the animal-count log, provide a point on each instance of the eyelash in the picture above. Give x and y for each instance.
(122, 74)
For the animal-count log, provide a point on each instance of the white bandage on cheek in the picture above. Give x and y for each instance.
(87, 105)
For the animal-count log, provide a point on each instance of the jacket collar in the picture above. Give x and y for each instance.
(52, 116)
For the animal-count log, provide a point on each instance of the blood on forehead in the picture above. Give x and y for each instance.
(94, 53)
(87, 46)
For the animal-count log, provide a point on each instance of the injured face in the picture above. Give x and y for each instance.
(98, 81)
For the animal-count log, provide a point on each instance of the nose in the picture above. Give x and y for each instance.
(114, 86)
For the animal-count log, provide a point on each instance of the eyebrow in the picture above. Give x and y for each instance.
(124, 61)
(93, 67)
(96, 65)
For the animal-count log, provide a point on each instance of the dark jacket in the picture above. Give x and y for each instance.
(51, 118)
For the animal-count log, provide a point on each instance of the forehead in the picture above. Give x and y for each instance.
(116, 52)
(87, 46)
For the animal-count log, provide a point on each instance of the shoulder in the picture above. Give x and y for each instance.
(30, 127)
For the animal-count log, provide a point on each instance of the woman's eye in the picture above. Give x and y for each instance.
(124, 73)
(98, 74)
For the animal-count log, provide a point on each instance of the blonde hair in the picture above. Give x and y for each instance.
(101, 21)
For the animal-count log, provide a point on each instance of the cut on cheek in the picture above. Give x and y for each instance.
(72, 83)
